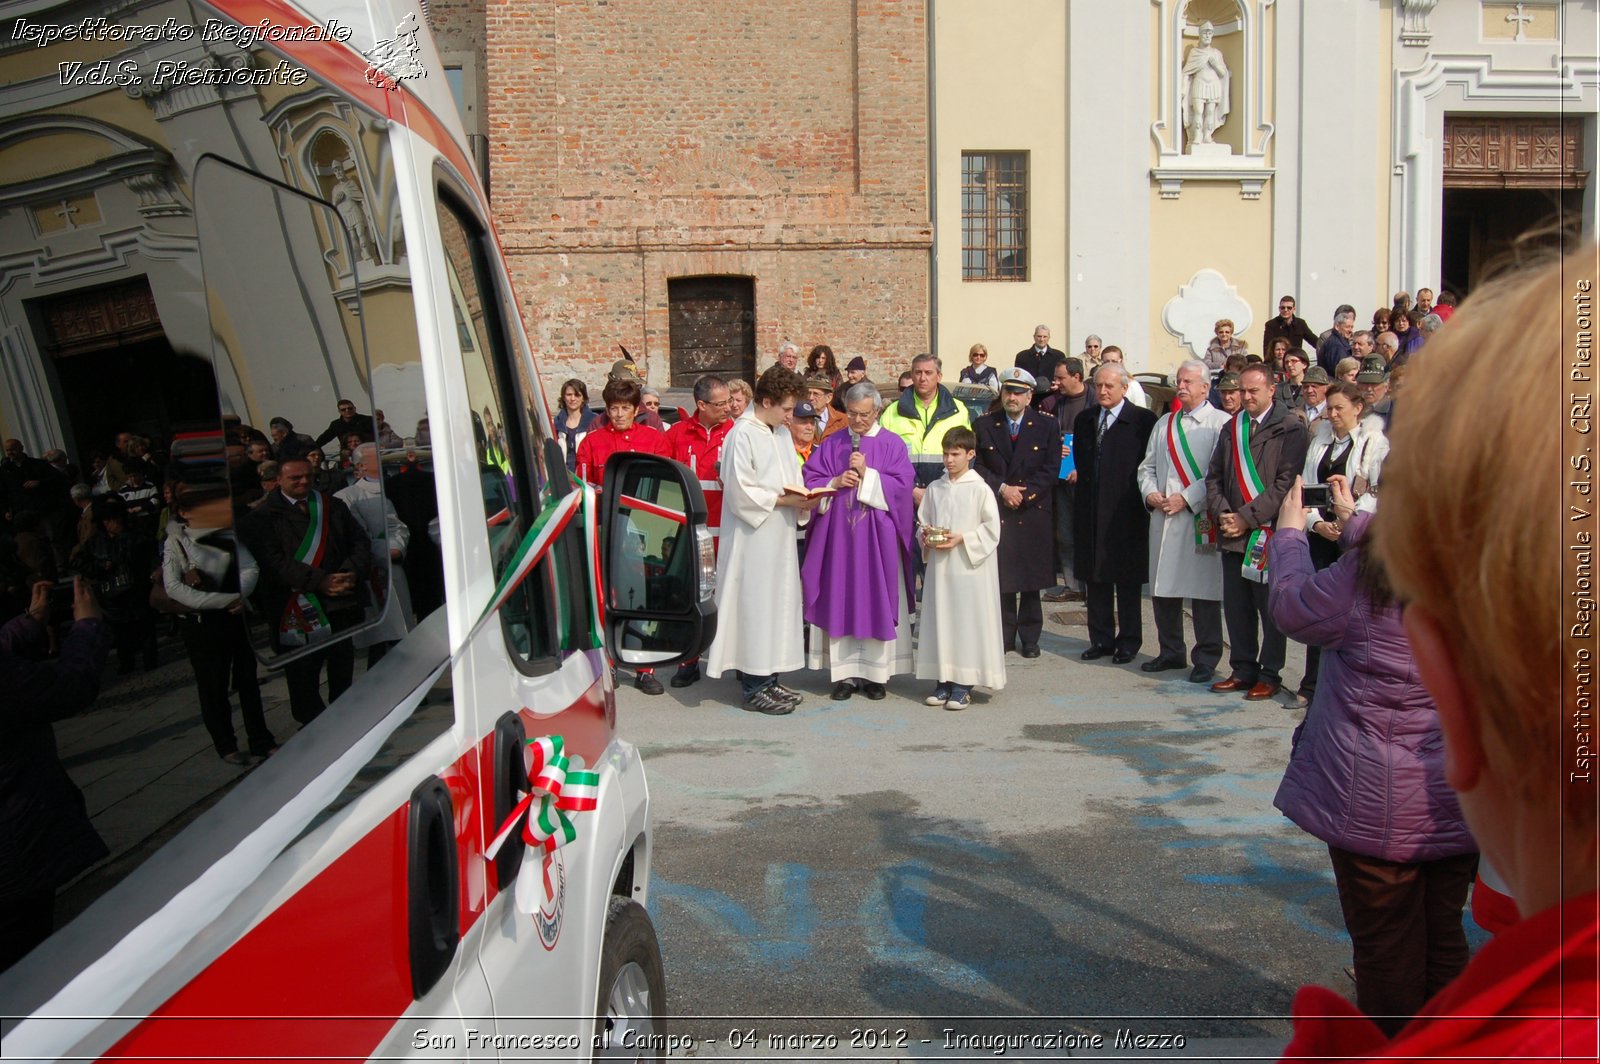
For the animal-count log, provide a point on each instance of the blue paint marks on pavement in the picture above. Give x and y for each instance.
(780, 938)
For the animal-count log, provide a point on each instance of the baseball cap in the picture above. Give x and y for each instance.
(804, 409)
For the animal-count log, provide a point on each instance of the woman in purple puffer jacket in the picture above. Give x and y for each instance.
(1366, 771)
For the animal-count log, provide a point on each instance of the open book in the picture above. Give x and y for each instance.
(824, 492)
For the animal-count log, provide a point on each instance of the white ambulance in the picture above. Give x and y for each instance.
(280, 199)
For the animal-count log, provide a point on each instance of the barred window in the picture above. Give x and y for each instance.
(994, 216)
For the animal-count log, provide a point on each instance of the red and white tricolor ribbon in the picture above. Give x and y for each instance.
(555, 789)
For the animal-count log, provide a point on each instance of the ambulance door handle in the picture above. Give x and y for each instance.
(510, 777)
(433, 896)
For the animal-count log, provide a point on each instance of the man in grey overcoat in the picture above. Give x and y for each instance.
(1184, 561)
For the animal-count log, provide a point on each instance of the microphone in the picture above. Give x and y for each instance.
(855, 449)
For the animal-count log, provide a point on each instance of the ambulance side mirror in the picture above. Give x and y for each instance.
(659, 569)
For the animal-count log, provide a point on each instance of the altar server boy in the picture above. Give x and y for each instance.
(959, 644)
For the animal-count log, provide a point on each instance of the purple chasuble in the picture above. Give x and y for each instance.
(855, 553)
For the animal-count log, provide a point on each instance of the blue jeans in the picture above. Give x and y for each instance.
(750, 685)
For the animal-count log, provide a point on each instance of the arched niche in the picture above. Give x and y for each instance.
(1238, 147)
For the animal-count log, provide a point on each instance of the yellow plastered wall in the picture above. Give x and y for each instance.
(1000, 84)
(1209, 225)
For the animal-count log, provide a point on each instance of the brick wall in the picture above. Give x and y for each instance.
(634, 141)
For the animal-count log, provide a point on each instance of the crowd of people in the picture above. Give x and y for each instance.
(870, 535)
(1097, 493)
(873, 532)
(177, 534)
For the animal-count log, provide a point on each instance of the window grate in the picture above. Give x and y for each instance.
(994, 216)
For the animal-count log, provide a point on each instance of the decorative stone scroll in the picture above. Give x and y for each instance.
(1414, 32)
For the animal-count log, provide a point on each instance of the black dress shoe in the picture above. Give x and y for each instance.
(842, 691)
(686, 675)
(1122, 657)
(1160, 665)
(1095, 653)
(1201, 674)
(1031, 651)
(876, 691)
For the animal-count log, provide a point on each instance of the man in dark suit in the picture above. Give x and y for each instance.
(1111, 525)
(1068, 396)
(28, 483)
(1019, 455)
(348, 421)
(1277, 444)
(1040, 361)
(1289, 326)
(313, 587)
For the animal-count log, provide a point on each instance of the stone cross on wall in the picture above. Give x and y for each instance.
(1521, 19)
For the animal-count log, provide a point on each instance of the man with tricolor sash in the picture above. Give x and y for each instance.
(314, 561)
(1184, 563)
(1262, 450)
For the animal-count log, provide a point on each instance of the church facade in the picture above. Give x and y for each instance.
(1360, 147)
(891, 177)
(699, 181)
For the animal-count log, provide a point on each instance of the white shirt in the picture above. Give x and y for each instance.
(1109, 417)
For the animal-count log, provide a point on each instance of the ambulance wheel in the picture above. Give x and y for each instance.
(631, 1015)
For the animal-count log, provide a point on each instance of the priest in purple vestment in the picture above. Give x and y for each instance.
(858, 566)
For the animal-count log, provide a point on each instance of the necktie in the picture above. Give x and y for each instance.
(1015, 425)
(303, 506)
(1100, 433)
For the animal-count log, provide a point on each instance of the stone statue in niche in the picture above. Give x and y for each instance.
(350, 202)
(1205, 90)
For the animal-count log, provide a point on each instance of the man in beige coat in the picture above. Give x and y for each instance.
(1184, 563)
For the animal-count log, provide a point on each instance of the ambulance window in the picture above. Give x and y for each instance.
(199, 278)
(570, 592)
(501, 441)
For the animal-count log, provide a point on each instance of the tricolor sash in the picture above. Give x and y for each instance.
(1189, 471)
(304, 621)
(1250, 486)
